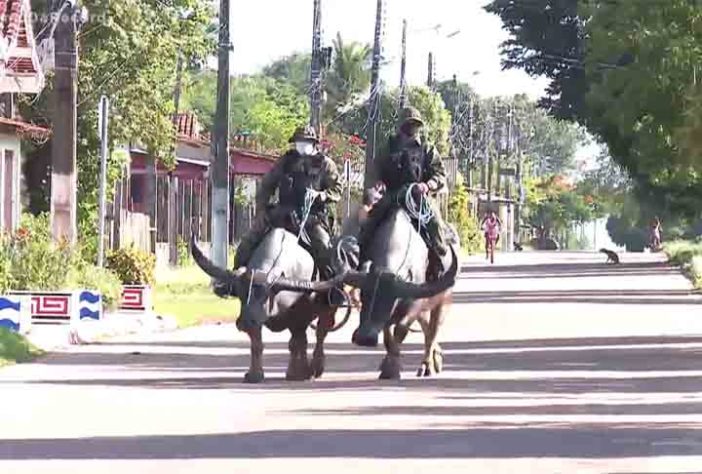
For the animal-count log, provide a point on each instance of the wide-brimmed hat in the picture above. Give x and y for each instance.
(410, 114)
(306, 133)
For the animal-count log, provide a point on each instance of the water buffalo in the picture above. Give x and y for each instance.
(394, 292)
(269, 298)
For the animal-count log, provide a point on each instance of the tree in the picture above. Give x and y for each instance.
(547, 38)
(131, 58)
(265, 109)
(294, 70)
(349, 75)
(548, 144)
(553, 205)
(436, 118)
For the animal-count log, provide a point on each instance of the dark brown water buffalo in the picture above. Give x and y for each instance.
(270, 298)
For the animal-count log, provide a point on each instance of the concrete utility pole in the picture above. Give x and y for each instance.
(316, 70)
(64, 183)
(104, 114)
(374, 100)
(403, 67)
(471, 155)
(431, 74)
(220, 145)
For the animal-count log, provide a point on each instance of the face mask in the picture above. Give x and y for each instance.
(304, 148)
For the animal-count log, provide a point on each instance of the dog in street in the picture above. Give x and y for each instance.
(612, 257)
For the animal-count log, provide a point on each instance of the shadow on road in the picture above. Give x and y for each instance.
(558, 366)
(668, 297)
(572, 442)
(568, 270)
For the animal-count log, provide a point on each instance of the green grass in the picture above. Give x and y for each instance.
(15, 348)
(185, 294)
(688, 255)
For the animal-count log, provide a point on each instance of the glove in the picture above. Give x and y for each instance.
(320, 196)
(420, 189)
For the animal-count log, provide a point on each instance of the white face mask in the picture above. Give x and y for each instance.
(304, 148)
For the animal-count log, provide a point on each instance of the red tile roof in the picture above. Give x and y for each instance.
(25, 128)
(187, 125)
(15, 32)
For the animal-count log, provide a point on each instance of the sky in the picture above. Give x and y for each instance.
(264, 30)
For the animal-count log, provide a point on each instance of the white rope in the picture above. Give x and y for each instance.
(423, 213)
(310, 197)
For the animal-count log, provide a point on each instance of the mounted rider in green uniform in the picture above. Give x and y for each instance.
(409, 159)
(302, 170)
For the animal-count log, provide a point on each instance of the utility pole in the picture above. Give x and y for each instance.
(64, 183)
(430, 71)
(374, 100)
(104, 114)
(316, 70)
(470, 144)
(403, 67)
(220, 139)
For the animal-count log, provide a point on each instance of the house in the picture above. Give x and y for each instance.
(20, 72)
(182, 194)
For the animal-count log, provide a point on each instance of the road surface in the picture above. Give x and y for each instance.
(554, 363)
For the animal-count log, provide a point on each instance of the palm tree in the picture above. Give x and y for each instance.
(349, 75)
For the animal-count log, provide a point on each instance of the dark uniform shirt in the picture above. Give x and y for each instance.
(408, 160)
(293, 174)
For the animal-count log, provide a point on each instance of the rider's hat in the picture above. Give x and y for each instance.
(306, 133)
(410, 114)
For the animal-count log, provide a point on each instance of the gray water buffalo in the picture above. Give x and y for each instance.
(394, 292)
(269, 298)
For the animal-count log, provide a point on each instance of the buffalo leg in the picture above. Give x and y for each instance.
(298, 367)
(433, 357)
(324, 324)
(255, 373)
(390, 368)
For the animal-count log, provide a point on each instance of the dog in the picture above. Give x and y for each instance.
(612, 257)
(518, 247)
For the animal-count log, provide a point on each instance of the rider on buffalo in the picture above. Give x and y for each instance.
(409, 160)
(301, 168)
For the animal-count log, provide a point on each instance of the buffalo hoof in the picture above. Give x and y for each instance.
(426, 369)
(317, 365)
(254, 377)
(390, 369)
(438, 360)
(298, 372)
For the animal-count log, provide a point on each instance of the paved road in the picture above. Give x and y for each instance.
(554, 363)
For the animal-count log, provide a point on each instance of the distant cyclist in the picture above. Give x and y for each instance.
(656, 235)
(491, 226)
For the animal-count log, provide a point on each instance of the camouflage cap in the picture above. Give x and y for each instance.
(304, 133)
(410, 114)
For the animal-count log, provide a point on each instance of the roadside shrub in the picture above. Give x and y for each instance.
(466, 225)
(184, 257)
(90, 277)
(36, 263)
(132, 266)
(681, 252)
(5, 263)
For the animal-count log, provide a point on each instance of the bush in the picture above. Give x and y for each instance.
(132, 266)
(184, 257)
(15, 348)
(466, 225)
(681, 252)
(688, 255)
(36, 263)
(90, 277)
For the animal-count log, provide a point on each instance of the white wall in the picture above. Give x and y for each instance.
(11, 142)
